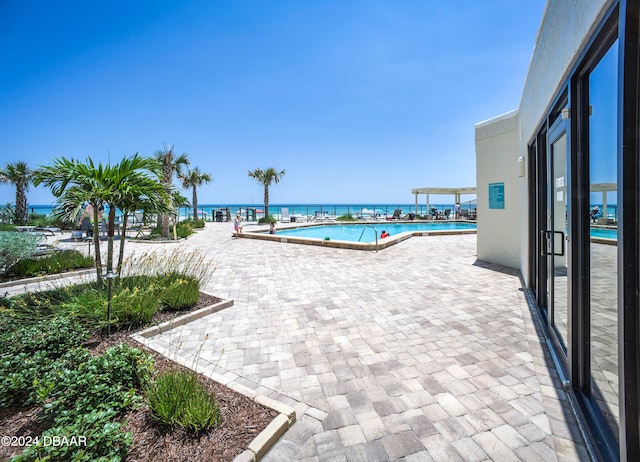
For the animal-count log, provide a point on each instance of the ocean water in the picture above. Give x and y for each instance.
(370, 209)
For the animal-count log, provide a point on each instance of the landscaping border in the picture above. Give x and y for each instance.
(47, 277)
(286, 414)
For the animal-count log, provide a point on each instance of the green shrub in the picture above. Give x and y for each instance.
(26, 377)
(134, 306)
(195, 224)
(7, 215)
(54, 220)
(346, 217)
(136, 281)
(180, 291)
(97, 438)
(81, 396)
(39, 219)
(267, 219)
(179, 398)
(30, 352)
(32, 307)
(15, 246)
(88, 307)
(106, 382)
(54, 337)
(184, 230)
(58, 262)
(189, 263)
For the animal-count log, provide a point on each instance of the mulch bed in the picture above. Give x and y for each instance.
(242, 418)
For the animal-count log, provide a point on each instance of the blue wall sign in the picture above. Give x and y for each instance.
(496, 195)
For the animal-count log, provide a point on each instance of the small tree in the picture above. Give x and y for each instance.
(75, 184)
(267, 178)
(194, 178)
(20, 175)
(129, 183)
(171, 163)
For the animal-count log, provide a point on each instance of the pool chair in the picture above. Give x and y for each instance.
(397, 214)
(86, 226)
(51, 230)
(320, 215)
(138, 224)
(284, 215)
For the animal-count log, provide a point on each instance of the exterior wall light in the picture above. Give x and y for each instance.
(521, 166)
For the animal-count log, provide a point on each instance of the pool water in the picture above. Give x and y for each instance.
(366, 233)
(607, 233)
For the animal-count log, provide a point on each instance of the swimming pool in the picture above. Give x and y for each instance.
(605, 233)
(366, 233)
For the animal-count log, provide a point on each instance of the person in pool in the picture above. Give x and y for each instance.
(384, 234)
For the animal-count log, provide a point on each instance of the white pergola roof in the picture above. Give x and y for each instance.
(602, 187)
(452, 191)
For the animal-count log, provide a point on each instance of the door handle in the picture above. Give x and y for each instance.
(547, 242)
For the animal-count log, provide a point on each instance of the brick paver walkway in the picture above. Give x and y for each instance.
(416, 353)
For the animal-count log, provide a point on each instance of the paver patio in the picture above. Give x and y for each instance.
(416, 353)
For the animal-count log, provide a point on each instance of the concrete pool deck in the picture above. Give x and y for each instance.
(415, 353)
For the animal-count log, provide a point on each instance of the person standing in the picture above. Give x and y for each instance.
(457, 210)
(237, 225)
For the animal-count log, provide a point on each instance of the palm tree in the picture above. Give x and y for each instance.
(20, 175)
(131, 182)
(125, 185)
(266, 178)
(193, 178)
(75, 184)
(171, 163)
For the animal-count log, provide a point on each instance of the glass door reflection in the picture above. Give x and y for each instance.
(603, 260)
(557, 187)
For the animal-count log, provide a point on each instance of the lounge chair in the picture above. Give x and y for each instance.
(284, 215)
(138, 218)
(397, 213)
(51, 230)
(86, 226)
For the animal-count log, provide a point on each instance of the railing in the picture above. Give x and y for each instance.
(379, 211)
(375, 233)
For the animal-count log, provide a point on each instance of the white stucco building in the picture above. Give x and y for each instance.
(558, 183)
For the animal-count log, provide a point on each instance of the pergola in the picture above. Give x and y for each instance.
(604, 188)
(456, 192)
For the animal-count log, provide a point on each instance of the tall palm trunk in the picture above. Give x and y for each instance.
(110, 234)
(266, 201)
(194, 200)
(167, 171)
(123, 238)
(22, 215)
(96, 244)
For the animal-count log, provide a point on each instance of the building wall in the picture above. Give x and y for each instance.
(496, 162)
(502, 140)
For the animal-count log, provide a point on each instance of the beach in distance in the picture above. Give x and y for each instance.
(370, 209)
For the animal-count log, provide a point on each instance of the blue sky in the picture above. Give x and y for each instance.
(359, 101)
